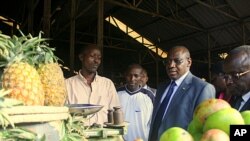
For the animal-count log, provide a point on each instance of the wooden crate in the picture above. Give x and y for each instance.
(43, 120)
(31, 114)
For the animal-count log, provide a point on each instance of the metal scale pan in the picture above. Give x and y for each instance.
(84, 109)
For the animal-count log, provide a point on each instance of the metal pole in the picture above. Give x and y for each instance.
(209, 56)
(72, 36)
(243, 34)
(46, 17)
(100, 30)
(31, 16)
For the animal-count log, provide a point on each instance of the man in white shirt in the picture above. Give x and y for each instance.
(137, 104)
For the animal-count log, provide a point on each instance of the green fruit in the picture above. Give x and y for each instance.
(194, 126)
(222, 120)
(176, 134)
(246, 116)
(208, 107)
(195, 129)
(215, 135)
(197, 136)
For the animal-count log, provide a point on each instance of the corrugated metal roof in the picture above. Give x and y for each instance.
(241, 7)
(162, 31)
(226, 22)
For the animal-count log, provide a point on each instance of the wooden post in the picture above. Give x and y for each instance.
(46, 17)
(72, 36)
(100, 30)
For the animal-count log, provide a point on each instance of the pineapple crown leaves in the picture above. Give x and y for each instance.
(33, 50)
(41, 53)
(10, 50)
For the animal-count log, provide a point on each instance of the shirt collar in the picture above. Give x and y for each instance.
(246, 96)
(82, 77)
(130, 92)
(179, 81)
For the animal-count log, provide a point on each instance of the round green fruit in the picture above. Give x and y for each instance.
(222, 120)
(197, 136)
(246, 116)
(176, 134)
(208, 107)
(194, 126)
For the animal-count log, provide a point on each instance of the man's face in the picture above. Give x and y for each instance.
(144, 79)
(177, 63)
(91, 60)
(237, 84)
(133, 79)
(219, 82)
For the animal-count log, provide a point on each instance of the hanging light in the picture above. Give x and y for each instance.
(223, 55)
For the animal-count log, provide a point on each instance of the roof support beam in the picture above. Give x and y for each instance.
(217, 10)
(215, 28)
(76, 17)
(153, 14)
(182, 9)
(105, 46)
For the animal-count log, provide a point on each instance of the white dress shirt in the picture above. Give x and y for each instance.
(178, 83)
(245, 98)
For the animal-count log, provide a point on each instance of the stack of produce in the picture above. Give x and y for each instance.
(211, 122)
(31, 70)
(14, 133)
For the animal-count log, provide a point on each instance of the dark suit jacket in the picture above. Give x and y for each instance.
(151, 89)
(245, 107)
(189, 94)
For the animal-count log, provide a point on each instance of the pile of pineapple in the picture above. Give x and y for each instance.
(31, 70)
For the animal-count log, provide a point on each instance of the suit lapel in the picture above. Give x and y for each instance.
(182, 89)
(246, 106)
(157, 102)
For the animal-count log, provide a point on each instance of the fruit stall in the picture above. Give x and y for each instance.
(56, 123)
(33, 94)
(211, 121)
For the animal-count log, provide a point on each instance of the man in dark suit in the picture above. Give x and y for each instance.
(187, 91)
(237, 74)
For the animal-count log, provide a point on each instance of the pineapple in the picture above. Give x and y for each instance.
(51, 74)
(18, 74)
(32, 70)
(53, 84)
